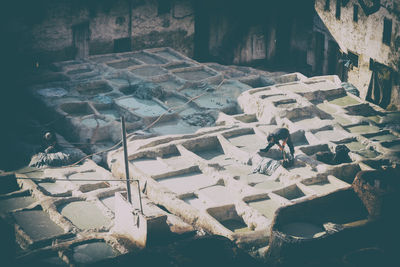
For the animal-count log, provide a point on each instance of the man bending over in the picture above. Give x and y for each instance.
(280, 134)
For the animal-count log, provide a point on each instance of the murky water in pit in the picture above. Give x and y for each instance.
(110, 113)
(302, 229)
(93, 252)
(196, 75)
(174, 127)
(142, 107)
(123, 64)
(42, 228)
(168, 55)
(9, 204)
(170, 85)
(148, 59)
(266, 207)
(149, 71)
(84, 215)
(92, 123)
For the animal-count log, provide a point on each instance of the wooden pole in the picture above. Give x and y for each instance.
(128, 188)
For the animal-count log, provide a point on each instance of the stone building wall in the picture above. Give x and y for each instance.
(363, 37)
(44, 31)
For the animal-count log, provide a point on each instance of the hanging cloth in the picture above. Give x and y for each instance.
(380, 86)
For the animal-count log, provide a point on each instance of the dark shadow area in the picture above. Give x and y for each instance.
(201, 251)
(265, 34)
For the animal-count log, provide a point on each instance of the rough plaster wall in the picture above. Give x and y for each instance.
(246, 46)
(50, 38)
(251, 48)
(51, 35)
(363, 38)
(179, 24)
(271, 40)
(54, 33)
(107, 25)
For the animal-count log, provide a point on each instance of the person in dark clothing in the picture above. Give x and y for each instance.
(280, 134)
(50, 144)
(340, 156)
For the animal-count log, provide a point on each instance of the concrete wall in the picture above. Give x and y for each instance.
(43, 31)
(363, 38)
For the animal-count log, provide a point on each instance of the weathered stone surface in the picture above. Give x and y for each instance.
(379, 191)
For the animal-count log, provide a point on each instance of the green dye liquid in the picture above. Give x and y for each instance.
(395, 147)
(341, 120)
(376, 119)
(344, 101)
(327, 108)
(354, 146)
(384, 137)
(367, 153)
(363, 129)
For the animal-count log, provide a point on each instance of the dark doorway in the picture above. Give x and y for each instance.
(283, 38)
(201, 31)
(333, 57)
(319, 52)
(81, 39)
(122, 45)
